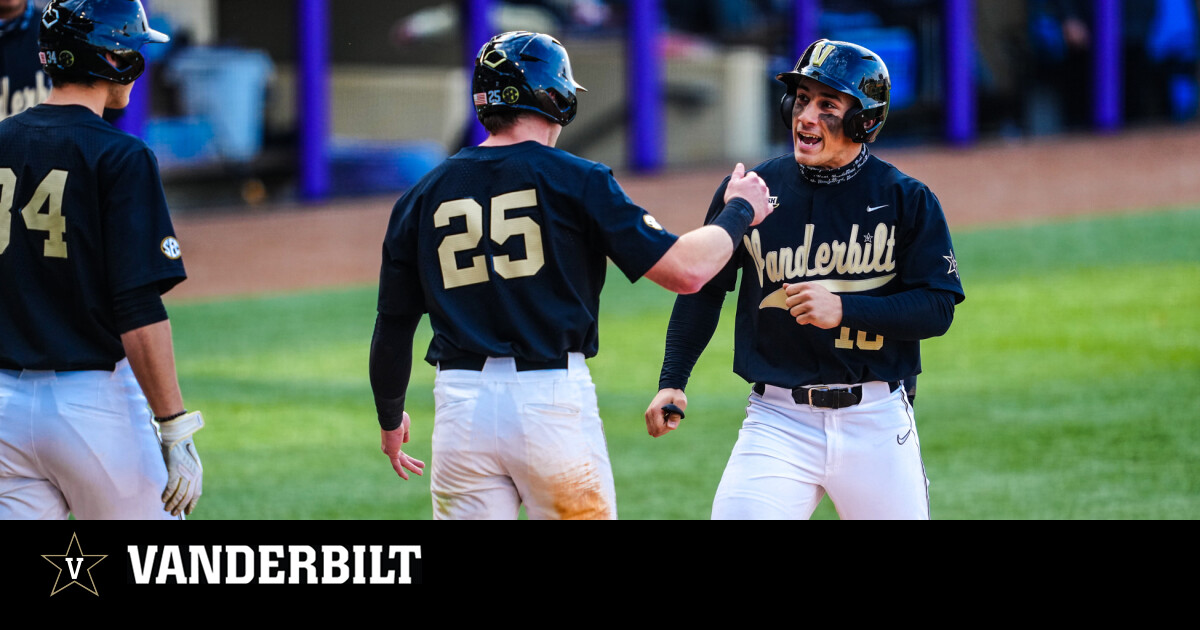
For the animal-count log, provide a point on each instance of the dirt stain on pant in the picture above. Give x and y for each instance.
(581, 495)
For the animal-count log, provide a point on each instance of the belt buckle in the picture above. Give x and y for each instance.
(815, 389)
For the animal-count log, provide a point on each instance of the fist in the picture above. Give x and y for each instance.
(811, 303)
(659, 423)
(752, 188)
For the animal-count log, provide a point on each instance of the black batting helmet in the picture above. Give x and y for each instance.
(849, 69)
(527, 71)
(77, 34)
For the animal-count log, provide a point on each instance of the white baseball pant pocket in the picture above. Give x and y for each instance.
(90, 436)
(564, 472)
(504, 438)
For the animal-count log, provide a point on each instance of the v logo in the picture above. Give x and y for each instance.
(821, 53)
(74, 567)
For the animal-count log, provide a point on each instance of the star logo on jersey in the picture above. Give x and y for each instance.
(953, 264)
(74, 567)
(170, 248)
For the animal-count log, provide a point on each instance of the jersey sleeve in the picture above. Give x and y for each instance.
(139, 239)
(400, 291)
(629, 235)
(926, 258)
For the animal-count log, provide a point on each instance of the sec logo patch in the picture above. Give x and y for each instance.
(652, 222)
(170, 248)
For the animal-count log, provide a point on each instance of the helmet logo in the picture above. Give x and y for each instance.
(493, 58)
(820, 53)
(50, 17)
(510, 95)
(66, 59)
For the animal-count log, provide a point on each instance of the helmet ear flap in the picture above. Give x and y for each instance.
(852, 124)
(786, 105)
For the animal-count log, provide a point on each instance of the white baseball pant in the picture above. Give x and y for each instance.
(80, 443)
(867, 457)
(503, 438)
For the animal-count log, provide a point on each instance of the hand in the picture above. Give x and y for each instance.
(656, 424)
(752, 188)
(811, 303)
(184, 472)
(391, 441)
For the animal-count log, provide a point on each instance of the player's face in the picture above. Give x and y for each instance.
(11, 8)
(817, 135)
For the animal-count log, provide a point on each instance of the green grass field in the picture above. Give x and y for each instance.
(1067, 388)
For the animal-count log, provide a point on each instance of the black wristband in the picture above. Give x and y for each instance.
(735, 219)
(170, 417)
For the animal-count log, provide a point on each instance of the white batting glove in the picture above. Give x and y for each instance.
(184, 472)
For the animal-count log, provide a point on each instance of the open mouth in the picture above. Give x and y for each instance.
(807, 139)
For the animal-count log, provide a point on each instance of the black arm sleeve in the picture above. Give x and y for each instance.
(391, 365)
(693, 322)
(911, 315)
(137, 307)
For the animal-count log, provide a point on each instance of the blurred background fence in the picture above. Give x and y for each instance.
(319, 99)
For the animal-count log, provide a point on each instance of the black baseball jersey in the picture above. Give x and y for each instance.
(877, 233)
(505, 248)
(22, 82)
(83, 218)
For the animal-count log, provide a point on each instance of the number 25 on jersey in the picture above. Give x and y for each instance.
(503, 228)
(49, 193)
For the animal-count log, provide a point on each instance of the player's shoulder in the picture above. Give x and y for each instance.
(778, 165)
(888, 174)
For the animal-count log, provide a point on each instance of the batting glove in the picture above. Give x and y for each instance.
(184, 472)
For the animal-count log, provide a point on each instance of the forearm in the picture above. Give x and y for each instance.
(699, 254)
(391, 366)
(911, 315)
(151, 354)
(693, 321)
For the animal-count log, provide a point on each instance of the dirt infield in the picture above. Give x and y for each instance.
(290, 247)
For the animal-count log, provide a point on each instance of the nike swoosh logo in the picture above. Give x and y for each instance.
(873, 209)
(902, 440)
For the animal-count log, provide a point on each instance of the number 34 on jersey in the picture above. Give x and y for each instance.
(49, 194)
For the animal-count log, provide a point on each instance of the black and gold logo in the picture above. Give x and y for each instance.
(510, 95)
(66, 59)
(74, 567)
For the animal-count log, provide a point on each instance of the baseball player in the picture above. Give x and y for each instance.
(22, 82)
(86, 249)
(839, 285)
(505, 245)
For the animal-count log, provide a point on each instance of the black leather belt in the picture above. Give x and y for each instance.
(826, 397)
(475, 363)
